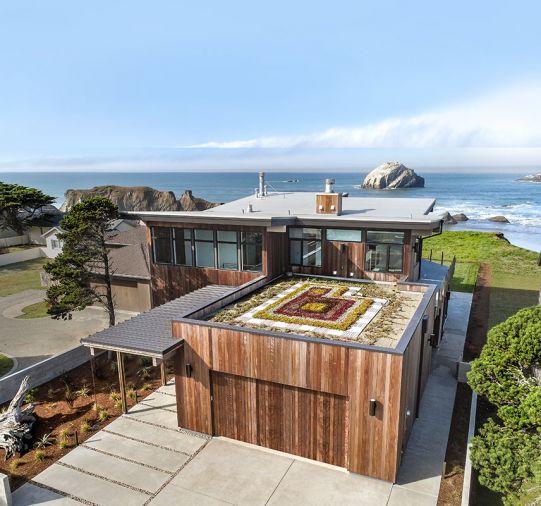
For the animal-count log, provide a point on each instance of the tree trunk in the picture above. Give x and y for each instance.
(16, 423)
(109, 306)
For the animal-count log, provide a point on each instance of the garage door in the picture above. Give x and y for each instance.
(293, 420)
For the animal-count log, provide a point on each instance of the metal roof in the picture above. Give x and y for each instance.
(149, 333)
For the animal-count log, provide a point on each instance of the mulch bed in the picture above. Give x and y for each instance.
(455, 457)
(65, 421)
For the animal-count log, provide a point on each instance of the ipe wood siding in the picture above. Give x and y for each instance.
(257, 365)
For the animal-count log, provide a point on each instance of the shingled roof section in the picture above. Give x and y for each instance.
(149, 333)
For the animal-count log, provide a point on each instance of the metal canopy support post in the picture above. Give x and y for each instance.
(122, 380)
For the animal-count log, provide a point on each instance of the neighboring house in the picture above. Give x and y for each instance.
(129, 261)
(53, 245)
(303, 322)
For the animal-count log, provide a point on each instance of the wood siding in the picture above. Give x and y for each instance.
(355, 374)
(294, 420)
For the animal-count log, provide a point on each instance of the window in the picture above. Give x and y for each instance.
(384, 251)
(162, 245)
(183, 246)
(56, 244)
(305, 247)
(204, 248)
(227, 250)
(344, 235)
(252, 251)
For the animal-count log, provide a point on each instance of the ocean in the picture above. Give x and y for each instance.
(477, 195)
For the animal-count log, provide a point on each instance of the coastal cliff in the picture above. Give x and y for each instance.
(393, 175)
(139, 198)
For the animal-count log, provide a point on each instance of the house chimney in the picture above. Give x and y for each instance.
(262, 185)
(329, 183)
(329, 202)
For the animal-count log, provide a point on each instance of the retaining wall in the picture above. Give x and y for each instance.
(43, 371)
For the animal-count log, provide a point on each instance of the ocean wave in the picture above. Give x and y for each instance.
(519, 214)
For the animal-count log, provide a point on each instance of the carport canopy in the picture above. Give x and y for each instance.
(149, 334)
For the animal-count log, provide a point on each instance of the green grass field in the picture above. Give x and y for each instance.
(37, 310)
(20, 276)
(5, 364)
(516, 277)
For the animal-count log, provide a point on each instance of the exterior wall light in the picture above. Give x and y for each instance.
(189, 370)
(372, 408)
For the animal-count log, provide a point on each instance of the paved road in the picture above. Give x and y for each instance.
(32, 340)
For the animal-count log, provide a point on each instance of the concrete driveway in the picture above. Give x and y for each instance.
(141, 458)
(31, 340)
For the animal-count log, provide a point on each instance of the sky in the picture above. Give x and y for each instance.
(308, 85)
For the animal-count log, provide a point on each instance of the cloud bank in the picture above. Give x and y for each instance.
(507, 118)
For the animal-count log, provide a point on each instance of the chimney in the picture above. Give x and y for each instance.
(262, 185)
(329, 202)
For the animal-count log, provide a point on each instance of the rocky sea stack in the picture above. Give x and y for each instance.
(392, 175)
(139, 198)
(533, 178)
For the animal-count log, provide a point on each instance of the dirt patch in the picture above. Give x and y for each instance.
(455, 456)
(65, 409)
(478, 324)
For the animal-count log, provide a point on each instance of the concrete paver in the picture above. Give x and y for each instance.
(234, 473)
(129, 473)
(89, 488)
(166, 438)
(156, 416)
(135, 451)
(29, 495)
(158, 400)
(178, 496)
(313, 484)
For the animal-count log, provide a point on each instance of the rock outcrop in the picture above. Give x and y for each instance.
(448, 219)
(533, 178)
(392, 175)
(460, 217)
(139, 198)
(499, 219)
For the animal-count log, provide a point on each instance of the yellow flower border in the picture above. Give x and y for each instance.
(265, 314)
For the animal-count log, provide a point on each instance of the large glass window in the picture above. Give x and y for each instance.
(162, 245)
(252, 251)
(384, 251)
(204, 248)
(305, 246)
(227, 250)
(344, 235)
(183, 246)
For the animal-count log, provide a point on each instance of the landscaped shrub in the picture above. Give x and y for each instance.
(43, 441)
(507, 449)
(85, 427)
(39, 455)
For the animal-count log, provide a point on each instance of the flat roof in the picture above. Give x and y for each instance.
(287, 208)
(150, 333)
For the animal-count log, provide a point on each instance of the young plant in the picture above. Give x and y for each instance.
(146, 387)
(15, 464)
(69, 396)
(30, 396)
(114, 396)
(145, 372)
(62, 444)
(64, 434)
(103, 415)
(114, 367)
(85, 427)
(83, 391)
(118, 404)
(39, 455)
(43, 441)
(132, 394)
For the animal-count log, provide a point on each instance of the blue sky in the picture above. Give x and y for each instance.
(181, 85)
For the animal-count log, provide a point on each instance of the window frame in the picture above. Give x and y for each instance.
(242, 242)
(387, 246)
(222, 241)
(153, 242)
(214, 248)
(302, 240)
(192, 245)
(361, 231)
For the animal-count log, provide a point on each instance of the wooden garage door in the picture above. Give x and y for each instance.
(293, 420)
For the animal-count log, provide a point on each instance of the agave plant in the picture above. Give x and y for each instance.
(43, 441)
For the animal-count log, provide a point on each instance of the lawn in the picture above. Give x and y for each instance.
(21, 276)
(37, 310)
(5, 364)
(516, 277)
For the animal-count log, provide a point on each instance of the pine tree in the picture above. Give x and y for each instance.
(84, 255)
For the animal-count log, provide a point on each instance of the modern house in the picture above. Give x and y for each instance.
(302, 322)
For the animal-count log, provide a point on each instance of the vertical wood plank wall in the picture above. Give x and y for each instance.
(359, 374)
